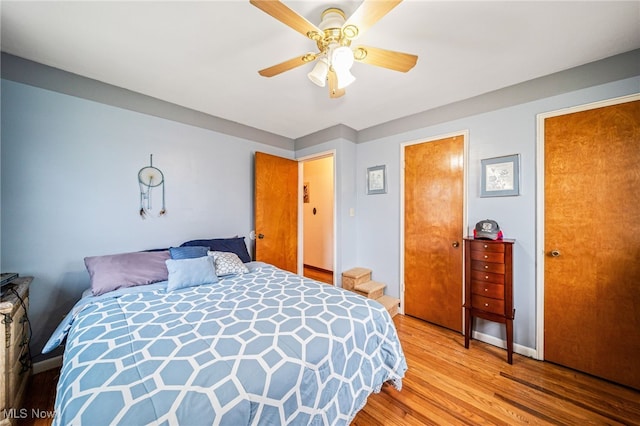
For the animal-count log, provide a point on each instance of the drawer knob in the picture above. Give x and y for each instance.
(486, 289)
(486, 266)
(555, 253)
(486, 304)
(486, 277)
(486, 257)
(486, 246)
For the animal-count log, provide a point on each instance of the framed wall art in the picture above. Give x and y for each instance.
(305, 192)
(500, 176)
(377, 180)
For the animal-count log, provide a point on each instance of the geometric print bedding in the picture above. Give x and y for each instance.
(264, 348)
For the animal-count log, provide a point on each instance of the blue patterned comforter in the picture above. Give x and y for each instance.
(264, 348)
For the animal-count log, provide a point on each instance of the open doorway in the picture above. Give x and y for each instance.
(317, 214)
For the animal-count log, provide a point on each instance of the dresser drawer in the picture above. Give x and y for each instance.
(487, 256)
(487, 277)
(487, 304)
(496, 268)
(480, 288)
(486, 246)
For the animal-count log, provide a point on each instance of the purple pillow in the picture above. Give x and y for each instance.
(116, 271)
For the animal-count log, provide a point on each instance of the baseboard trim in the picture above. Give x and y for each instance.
(47, 364)
(492, 340)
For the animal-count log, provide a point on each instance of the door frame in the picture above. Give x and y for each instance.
(301, 160)
(465, 172)
(540, 218)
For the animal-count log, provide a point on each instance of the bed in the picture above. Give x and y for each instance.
(258, 346)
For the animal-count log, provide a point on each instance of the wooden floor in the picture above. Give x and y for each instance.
(318, 274)
(447, 384)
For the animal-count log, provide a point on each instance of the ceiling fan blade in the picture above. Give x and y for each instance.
(334, 92)
(397, 61)
(288, 65)
(367, 14)
(288, 17)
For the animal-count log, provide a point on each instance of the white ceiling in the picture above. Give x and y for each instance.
(205, 55)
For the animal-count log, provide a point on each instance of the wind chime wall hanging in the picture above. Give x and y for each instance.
(150, 177)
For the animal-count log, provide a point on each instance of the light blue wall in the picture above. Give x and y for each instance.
(70, 190)
(502, 132)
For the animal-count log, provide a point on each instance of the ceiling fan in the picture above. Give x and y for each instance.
(333, 37)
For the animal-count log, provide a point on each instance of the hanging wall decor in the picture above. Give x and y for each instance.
(305, 192)
(150, 177)
(377, 180)
(500, 176)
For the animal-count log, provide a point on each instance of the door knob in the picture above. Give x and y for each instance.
(260, 236)
(455, 244)
(555, 253)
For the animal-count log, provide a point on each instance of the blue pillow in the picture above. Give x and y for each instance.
(190, 272)
(232, 245)
(188, 252)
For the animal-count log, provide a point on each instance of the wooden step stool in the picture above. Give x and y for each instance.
(370, 289)
(354, 277)
(390, 304)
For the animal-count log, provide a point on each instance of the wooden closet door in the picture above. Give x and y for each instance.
(592, 241)
(276, 211)
(433, 211)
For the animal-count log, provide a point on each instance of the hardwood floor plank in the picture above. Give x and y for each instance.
(395, 414)
(478, 401)
(591, 390)
(560, 411)
(594, 404)
(415, 404)
(458, 409)
(40, 398)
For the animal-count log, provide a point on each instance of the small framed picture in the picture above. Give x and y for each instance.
(377, 180)
(500, 176)
(305, 192)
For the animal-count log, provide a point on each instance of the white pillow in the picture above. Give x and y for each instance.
(227, 263)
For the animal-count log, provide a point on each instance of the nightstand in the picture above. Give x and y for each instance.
(15, 360)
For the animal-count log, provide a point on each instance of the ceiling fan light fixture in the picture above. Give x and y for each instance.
(342, 58)
(318, 74)
(344, 78)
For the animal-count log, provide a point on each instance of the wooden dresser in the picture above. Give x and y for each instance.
(489, 286)
(15, 361)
